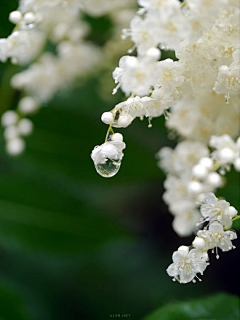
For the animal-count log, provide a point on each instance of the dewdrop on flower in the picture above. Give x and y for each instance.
(107, 157)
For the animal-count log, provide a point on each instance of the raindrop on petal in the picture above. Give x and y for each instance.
(108, 169)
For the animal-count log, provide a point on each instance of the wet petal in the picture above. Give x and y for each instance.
(186, 277)
(216, 227)
(178, 256)
(172, 270)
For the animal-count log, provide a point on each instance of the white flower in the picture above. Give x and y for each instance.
(21, 46)
(109, 150)
(173, 27)
(186, 217)
(217, 237)
(15, 146)
(214, 209)
(227, 150)
(228, 80)
(143, 34)
(183, 158)
(136, 75)
(186, 264)
(170, 75)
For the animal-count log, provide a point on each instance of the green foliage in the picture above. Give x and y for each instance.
(218, 307)
(9, 299)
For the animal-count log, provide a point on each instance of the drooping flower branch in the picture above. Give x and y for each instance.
(198, 93)
(40, 25)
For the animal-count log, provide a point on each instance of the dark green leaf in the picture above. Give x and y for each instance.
(218, 307)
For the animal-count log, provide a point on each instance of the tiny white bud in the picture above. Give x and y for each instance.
(214, 179)
(223, 69)
(232, 212)
(206, 162)
(29, 17)
(238, 143)
(153, 53)
(195, 187)
(15, 17)
(199, 171)
(25, 127)
(9, 118)
(183, 248)
(117, 137)
(124, 121)
(28, 105)
(199, 243)
(226, 155)
(11, 132)
(131, 62)
(107, 118)
(15, 146)
(237, 164)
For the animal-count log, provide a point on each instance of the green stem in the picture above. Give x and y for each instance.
(236, 218)
(109, 130)
(217, 165)
(183, 4)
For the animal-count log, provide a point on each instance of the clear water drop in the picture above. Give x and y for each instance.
(108, 169)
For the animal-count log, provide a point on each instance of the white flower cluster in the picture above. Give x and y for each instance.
(37, 24)
(192, 173)
(199, 96)
(59, 23)
(188, 261)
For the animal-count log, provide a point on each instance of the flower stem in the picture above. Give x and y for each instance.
(236, 218)
(110, 129)
(183, 4)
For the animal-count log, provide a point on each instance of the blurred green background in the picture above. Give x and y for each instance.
(74, 245)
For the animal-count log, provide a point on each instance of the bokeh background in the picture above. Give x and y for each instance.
(74, 245)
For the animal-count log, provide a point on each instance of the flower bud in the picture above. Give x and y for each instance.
(199, 171)
(11, 132)
(15, 146)
(214, 179)
(29, 17)
(25, 127)
(195, 187)
(107, 118)
(15, 17)
(199, 243)
(117, 137)
(206, 162)
(28, 105)
(227, 155)
(154, 54)
(9, 118)
(232, 212)
(237, 164)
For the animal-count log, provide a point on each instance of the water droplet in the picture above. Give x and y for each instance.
(108, 169)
